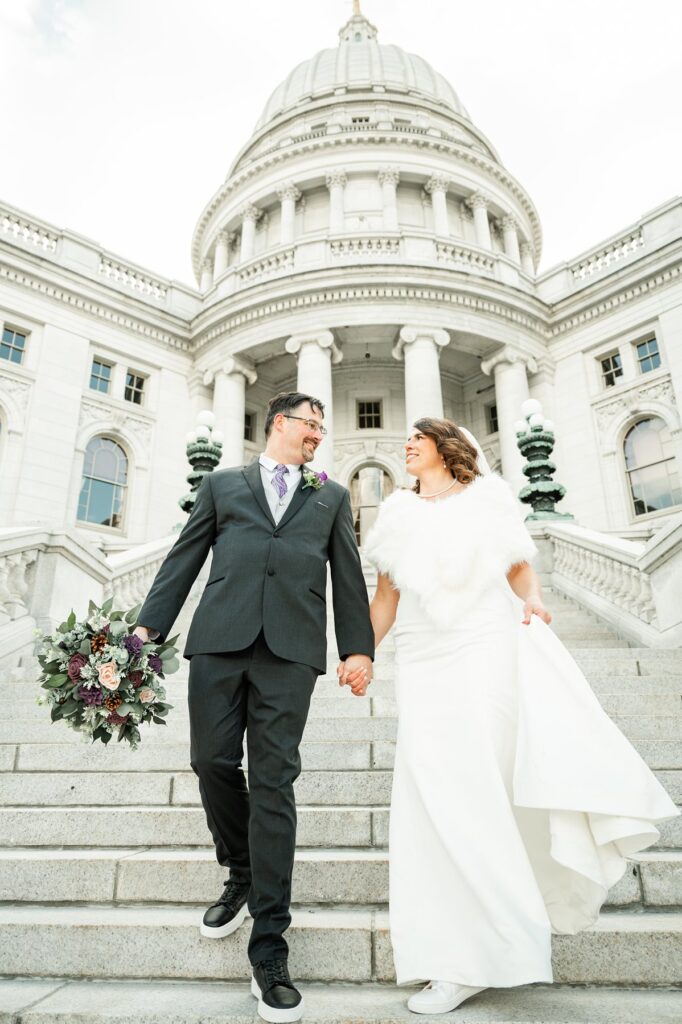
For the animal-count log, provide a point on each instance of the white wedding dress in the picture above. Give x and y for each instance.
(515, 798)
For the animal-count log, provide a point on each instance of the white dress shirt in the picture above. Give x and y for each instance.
(292, 479)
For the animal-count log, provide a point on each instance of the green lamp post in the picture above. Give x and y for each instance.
(204, 451)
(535, 438)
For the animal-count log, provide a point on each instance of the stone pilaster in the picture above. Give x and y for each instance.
(420, 348)
(510, 368)
(388, 179)
(315, 353)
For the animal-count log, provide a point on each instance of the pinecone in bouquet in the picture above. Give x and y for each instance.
(103, 680)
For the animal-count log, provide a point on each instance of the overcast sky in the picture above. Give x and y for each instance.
(120, 118)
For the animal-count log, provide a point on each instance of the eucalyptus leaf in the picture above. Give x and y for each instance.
(167, 653)
(131, 616)
(170, 666)
(58, 680)
(107, 606)
(85, 648)
(159, 721)
(71, 621)
(117, 627)
(124, 709)
(69, 707)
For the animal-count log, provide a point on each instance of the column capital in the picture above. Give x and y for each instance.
(233, 365)
(337, 177)
(207, 264)
(526, 249)
(249, 212)
(288, 191)
(509, 223)
(478, 201)
(437, 183)
(389, 175)
(224, 236)
(410, 334)
(509, 356)
(323, 339)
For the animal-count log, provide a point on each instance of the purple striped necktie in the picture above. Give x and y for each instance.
(278, 481)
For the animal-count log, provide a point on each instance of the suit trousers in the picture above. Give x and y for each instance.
(254, 828)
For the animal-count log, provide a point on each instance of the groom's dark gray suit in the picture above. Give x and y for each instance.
(257, 643)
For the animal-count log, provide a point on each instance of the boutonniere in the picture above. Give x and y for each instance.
(313, 479)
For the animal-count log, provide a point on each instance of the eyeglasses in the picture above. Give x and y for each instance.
(311, 424)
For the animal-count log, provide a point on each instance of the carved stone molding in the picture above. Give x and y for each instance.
(389, 176)
(18, 389)
(112, 418)
(288, 191)
(325, 340)
(249, 212)
(634, 401)
(437, 183)
(337, 177)
(509, 355)
(478, 200)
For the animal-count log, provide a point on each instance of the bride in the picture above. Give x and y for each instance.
(515, 799)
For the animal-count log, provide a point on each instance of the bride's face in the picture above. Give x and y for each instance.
(421, 454)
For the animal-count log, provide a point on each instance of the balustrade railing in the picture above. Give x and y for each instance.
(614, 252)
(131, 278)
(17, 557)
(27, 231)
(266, 266)
(464, 257)
(133, 572)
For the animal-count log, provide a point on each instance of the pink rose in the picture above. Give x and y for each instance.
(147, 695)
(108, 675)
(76, 662)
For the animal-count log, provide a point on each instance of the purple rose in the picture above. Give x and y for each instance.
(76, 663)
(133, 645)
(322, 477)
(92, 697)
(155, 663)
(136, 678)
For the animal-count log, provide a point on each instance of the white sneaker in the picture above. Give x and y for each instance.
(440, 997)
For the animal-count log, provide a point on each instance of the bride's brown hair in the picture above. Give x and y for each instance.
(455, 448)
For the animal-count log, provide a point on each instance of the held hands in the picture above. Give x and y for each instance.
(142, 632)
(534, 606)
(356, 672)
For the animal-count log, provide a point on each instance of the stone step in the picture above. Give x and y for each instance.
(168, 755)
(190, 875)
(42, 789)
(33, 1001)
(344, 944)
(119, 826)
(114, 826)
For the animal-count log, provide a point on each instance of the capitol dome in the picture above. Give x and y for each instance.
(360, 62)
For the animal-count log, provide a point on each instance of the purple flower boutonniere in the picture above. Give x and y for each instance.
(313, 479)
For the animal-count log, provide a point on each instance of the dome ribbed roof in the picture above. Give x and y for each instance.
(359, 62)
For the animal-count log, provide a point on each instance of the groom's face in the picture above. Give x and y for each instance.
(299, 437)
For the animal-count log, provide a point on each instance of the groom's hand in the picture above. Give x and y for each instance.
(356, 672)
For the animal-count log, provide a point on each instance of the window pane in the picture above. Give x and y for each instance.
(647, 442)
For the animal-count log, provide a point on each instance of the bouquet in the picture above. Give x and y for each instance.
(101, 679)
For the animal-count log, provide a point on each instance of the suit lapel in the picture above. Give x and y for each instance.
(297, 502)
(255, 482)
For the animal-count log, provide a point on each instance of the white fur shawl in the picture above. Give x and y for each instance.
(450, 551)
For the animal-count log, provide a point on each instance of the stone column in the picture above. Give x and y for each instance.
(388, 179)
(316, 353)
(511, 238)
(420, 348)
(250, 215)
(288, 196)
(222, 243)
(527, 264)
(437, 187)
(206, 274)
(229, 401)
(479, 204)
(336, 183)
(511, 390)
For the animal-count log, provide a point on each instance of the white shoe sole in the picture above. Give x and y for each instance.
(226, 929)
(273, 1015)
(442, 1007)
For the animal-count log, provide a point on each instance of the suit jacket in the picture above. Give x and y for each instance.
(265, 576)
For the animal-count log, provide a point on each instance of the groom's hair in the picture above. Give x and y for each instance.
(285, 402)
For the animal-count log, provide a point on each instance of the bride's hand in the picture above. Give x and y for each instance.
(534, 606)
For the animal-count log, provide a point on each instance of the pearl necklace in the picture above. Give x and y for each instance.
(435, 495)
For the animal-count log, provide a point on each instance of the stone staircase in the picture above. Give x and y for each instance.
(106, 867)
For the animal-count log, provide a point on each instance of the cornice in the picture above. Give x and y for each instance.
(66, 296)
(328, 142)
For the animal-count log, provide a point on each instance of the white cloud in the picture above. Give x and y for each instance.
(121, 117)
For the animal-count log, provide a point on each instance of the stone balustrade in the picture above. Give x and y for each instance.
(274, 262)
(18, 228)
(17, 556)
(364, 247)
(602, 259)
(464, 257)
(131, 277)
(133, 572)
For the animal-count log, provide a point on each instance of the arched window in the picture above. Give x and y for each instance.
(368, 488)
(105, 476)
(651, 467)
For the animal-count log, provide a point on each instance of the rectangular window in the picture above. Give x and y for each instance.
(12, 346)
(249, 426)
(100, 376)
(369, 415)
(648, 356)
(611, 369)
(134, 388)
(491, 419)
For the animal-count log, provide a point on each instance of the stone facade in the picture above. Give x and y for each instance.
(367, 246)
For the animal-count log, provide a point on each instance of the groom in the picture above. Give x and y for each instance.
(256, 645)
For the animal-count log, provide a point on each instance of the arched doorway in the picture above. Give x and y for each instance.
(369, 486)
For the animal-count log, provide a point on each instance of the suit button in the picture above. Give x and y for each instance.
(275, 534)
(271, 572)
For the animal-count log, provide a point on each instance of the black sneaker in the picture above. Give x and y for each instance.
(278, 1000)
(225, 916)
